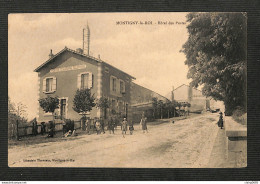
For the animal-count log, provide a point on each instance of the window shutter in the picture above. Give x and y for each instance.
(79, 81)
(90, 82)
(123, 86)
(54, 84)
(111, 83)
(44, 85)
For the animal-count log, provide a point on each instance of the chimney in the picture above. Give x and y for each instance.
(79, 50)
(86, 40)
(51, 54)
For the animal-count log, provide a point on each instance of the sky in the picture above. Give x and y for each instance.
(149, 52)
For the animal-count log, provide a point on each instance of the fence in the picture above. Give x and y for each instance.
(28, 130)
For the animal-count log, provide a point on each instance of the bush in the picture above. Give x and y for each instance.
(240, 116)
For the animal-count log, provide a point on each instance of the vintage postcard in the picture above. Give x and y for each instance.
(127, 90)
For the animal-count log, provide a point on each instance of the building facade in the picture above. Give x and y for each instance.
(187, 94)
(142, 101)
(62, 74)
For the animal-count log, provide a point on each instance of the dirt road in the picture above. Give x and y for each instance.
(185, 144)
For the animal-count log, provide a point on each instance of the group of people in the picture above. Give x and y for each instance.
(99, 126)
(184, 110)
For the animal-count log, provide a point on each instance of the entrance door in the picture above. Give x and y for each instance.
(63, 108)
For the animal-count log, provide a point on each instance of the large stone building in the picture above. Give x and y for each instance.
(62, 74)
(65, 72)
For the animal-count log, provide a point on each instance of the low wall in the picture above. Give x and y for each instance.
(236, 137)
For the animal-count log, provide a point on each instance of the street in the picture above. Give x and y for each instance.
(184, 144)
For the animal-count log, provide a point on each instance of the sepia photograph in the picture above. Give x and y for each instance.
(127, 90)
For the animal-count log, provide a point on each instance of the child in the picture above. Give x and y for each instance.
(124, 127)
(131, 128)
(98, 127)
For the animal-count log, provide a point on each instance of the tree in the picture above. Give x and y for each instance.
(83, 101)
(49, 104)
(103, 104)
(216, 56)
(160, 105)
(21, 110)
(168, 107)
(155, 106)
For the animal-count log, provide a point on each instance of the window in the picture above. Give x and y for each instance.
(113, 104)
(121, 106)
(122, 87)
(106, 69)
(84, 81)
(114, 84)
(49, 84)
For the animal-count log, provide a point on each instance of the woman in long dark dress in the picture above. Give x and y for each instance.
(220, 121)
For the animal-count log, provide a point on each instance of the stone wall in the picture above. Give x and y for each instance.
(236, 137)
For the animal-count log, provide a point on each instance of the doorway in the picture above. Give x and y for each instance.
(63, 103)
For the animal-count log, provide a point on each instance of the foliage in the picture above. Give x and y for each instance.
(49, 104)
(102, 103)
(155, 106)
(216, 56)
(83, 101)
(239, 116)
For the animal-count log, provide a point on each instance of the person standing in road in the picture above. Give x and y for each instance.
(143, 123)
(186, 108)
(102, 124)
(131, 127)
(98, 126)
(110, 125)
(124, 127)
(220, 121)
(88, 125)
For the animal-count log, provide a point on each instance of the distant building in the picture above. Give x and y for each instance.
(142, 101)
(186, 94)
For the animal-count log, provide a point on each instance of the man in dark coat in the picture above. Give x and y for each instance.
(43, 128)
(111, 125)
(102, 123)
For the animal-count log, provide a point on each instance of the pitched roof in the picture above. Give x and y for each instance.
(187, 86)
(75, 52)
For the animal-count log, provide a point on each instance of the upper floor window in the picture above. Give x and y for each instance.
(85, 80)
(49, 84)
(114, 84)
(122, 86)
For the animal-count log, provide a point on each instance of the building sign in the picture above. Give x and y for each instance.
(63, 69)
